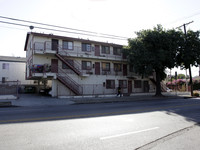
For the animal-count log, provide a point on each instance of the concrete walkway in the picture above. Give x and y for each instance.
(38, 100)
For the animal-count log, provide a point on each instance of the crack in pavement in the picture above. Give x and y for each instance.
(167, 137)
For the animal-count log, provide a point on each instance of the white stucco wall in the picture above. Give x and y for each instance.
(14, 72)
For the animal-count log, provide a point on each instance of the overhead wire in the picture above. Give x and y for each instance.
(44, 24)
(51, 29)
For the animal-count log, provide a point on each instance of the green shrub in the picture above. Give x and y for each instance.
(196, 94)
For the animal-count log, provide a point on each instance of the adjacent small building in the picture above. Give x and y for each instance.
(12, 75)
(13, 69)
(72, 66)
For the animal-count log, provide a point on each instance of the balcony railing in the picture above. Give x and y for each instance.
(46, 47)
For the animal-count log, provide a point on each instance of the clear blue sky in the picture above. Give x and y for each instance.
(118, 17)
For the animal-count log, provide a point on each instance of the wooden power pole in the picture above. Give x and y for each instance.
(190, 72)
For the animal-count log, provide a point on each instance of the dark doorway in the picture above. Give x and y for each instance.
(124, 70)
(54, 44)
(97, 50)
(146, 86)
(129, 86)
(97, 68)
(54, 65)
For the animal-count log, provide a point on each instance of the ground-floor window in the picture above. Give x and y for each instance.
(110, 84)
(138, 84)
(123, 83)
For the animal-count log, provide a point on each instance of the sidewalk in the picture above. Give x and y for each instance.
(38, 100)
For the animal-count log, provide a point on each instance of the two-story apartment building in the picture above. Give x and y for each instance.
(73, 66)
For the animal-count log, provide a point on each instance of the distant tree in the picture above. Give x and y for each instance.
(153, 51)
(189, 52)
(181, 76)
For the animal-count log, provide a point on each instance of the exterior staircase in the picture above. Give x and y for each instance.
(75, 66)
(69, 82)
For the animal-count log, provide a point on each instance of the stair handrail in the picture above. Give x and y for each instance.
(76, 64)
(69, 79)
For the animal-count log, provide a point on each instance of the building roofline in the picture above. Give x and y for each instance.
(12, 59)
(67, 38)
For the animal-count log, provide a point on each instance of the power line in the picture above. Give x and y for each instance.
(50, 29)
(44, 24)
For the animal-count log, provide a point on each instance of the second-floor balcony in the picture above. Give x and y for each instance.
(76, 51)
(47, 71)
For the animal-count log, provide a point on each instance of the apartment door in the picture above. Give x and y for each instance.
(54, 65)
(54, 44)
(129, 86)
(146, 86)
(97, 68)
(124, 70)
(97, 50)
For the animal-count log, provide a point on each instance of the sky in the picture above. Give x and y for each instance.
(116, 17)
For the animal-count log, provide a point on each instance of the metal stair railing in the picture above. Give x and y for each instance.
(76, 65)
(69, 82)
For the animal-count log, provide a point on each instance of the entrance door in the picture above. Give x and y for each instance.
(97, 50)
(97, 68)
(54, 65)
(146, 86)
(129, 86)
(124, 70)
(54, 44)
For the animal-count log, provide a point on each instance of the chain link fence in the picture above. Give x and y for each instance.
(9, 87)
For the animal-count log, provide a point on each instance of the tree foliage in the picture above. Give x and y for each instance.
(154, 51)
(189, 52)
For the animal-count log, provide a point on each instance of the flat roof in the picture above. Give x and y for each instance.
(12, 59)
(67, 38)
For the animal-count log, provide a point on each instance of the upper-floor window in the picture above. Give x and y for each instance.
(105, 50)
(117, 51)
(105, 66)
(68, 45)
(5, 66)
(86, 47)
(86, 65)
(117, 67)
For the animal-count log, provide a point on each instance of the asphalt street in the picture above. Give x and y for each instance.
(145, 124)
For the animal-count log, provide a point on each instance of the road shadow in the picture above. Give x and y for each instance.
(188, 108)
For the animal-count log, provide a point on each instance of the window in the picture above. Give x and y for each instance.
(5, 66)
(138, 84)
(4, 79)
(117, 67)
(123, 83)
(110, 84)
(64, 66)
(67, 45)
(105, 49)
(86, 65)
(106, 66)
(86, 47)
(117, 51)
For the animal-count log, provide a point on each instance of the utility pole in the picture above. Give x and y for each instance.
(190, 72)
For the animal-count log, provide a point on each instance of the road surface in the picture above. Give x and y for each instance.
(148, 124)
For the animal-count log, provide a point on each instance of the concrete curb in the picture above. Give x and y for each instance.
(122, 99)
